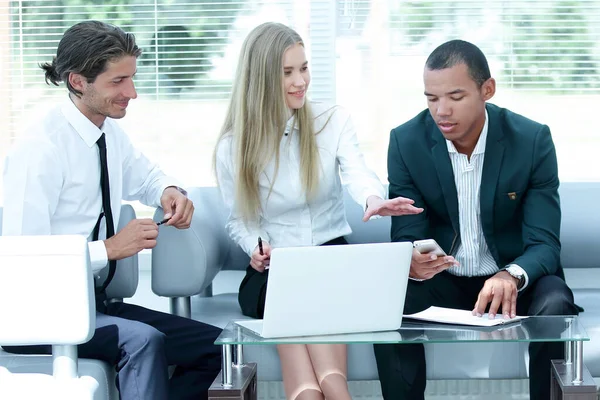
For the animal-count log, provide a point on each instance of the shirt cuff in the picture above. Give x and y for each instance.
(98, 256)
(524, 275)
(165, 183)
(249, 243)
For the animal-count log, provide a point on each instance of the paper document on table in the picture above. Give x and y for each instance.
(459, 317)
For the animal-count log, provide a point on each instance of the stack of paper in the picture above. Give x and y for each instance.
(459, 317)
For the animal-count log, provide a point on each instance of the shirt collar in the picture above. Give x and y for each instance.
(291, 125)
(480, 146)
(89, 132)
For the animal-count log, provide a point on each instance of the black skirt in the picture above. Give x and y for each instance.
(253, 289)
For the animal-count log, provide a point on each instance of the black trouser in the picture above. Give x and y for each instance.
(142, 343)
(253, 289)
(402, 370)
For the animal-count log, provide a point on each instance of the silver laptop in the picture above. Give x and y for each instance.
(324, 290)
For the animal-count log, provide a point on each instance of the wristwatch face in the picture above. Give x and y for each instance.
(181, 190)
(514, 272)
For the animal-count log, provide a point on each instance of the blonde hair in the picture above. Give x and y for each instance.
(257, 116)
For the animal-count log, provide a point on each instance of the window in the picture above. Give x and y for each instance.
(184, 75)
(544, 54)
(367, 55)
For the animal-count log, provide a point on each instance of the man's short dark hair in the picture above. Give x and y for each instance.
(85, 49)
(457, 52)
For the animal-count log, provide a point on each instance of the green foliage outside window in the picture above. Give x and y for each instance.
(179, 37)
(415, 18)
(550, 46)
(554, 52)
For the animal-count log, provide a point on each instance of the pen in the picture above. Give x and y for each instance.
(260, 248)
(163, 221)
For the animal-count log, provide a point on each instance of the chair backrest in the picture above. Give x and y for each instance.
(125, 282)
(205, 245)
(179, 248)
(46, 290)
(580, 227)
(580, 224)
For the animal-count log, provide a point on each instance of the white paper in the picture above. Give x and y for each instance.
(460, 317)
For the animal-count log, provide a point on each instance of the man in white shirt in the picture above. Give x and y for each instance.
(69, 174)
(487, 179)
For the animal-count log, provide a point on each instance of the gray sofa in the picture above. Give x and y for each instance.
(200, 270)
(123, 285)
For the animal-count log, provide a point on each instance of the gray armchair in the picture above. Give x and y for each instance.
(200, 252)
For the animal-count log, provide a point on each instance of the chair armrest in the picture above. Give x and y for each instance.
(185, 261)
(46, 290)
(125, 281)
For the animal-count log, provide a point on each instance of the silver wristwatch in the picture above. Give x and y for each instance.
(180, 190)
(517, 272)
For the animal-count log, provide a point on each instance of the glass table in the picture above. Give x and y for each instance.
(570, 377)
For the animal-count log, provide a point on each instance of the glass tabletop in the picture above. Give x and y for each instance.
(532, 329)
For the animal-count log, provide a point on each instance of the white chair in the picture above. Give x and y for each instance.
(123, 285)
(46, 297)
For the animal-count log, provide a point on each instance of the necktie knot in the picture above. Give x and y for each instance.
(101, 142)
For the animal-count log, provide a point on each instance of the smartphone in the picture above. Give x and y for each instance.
(429, 246)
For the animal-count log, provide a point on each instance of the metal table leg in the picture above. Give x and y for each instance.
(239, 355)
(236, 381)
(227, 366)
(571, 380)
(569, 350)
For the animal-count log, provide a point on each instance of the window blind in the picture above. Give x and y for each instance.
(535, 45)
(544, 54)
(180, 40)
(184, 77)
(365, 54)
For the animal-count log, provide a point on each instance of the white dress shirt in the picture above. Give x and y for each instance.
(287, 219)
(473, 253)
(52, 179)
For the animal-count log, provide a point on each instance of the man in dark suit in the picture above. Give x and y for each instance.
(488, 182)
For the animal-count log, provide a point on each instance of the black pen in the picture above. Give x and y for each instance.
(260, 248)
(163, 221)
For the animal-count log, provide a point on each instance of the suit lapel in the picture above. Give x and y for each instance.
(445, 174)
(494, 153)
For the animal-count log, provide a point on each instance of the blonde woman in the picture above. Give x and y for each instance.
(278, 163)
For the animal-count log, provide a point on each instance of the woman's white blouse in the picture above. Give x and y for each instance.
(287, 219)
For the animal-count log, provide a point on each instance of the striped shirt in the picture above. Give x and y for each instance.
(473, 253)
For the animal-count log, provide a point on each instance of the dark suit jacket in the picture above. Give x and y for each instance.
(520, 209)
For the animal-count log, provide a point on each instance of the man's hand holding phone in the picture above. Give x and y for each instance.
(429, 259)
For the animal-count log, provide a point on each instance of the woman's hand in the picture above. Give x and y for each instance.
(261, 261)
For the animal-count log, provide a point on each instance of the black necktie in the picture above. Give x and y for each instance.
(110, 226)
